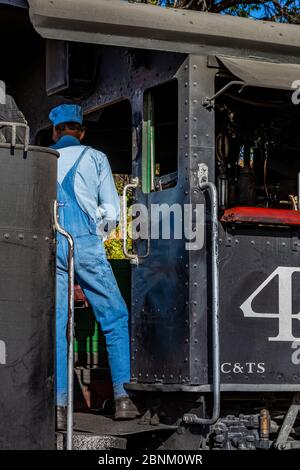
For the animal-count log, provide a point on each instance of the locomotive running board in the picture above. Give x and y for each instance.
(169, 388)
(99, 432)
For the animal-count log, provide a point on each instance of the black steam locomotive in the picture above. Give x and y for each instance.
(198, 111)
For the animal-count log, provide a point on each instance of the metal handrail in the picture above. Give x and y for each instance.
(133, 257)
(70, 327)
(192, 418)
(14, 126)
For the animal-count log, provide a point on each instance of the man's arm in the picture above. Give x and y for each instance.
(108, 198)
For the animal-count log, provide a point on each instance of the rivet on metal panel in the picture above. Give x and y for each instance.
(186, 340)
(185, 359)
(186, 102)
(186, 136)
(283, 244)
(186, 67)
(195, 155)
(195, 302)
(140, 375)
(171, 376)
(163, 376)
(229, 242)
(6, 236)
(220, 240)
(35, 237)
(132, 340)
(186, 84)
(186, 119)
(174, 308)
(195, 83)
(195, 341)
(196, 359)
(195, 284)
(195, 265)
(47, 239)
(237, 242)
(195, 119)
(147, 375)
(132, 358)
(186, 192)
(194, 66)
(195, 101)
(252, 242)
(186, 155)
(194, 136)
(268, 243)
(21, 236)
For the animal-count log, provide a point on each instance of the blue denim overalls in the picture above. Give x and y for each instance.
(94, 274)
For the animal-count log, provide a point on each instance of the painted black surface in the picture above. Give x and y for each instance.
(27, 275)
(248, 256)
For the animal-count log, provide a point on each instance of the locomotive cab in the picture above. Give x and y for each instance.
(202, 135)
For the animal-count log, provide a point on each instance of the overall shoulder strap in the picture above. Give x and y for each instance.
(86, 148)
(71, 172)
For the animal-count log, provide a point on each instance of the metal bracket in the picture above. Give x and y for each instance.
(208, 103)
(14, 126)
(282, 442)
(202, 173)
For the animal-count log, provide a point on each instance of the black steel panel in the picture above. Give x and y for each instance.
(57, 66)
(27, 300)
(248, 257)
(160, 313)
(15, 3)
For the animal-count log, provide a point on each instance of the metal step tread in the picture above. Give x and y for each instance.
(95, 431)
(88, 441)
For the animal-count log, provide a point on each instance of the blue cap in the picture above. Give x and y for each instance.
(66, 113)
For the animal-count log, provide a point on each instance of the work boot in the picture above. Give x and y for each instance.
(61, 418)
(125, 409)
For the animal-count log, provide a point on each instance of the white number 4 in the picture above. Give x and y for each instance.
(284, 315)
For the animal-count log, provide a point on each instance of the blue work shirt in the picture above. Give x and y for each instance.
(94, 185)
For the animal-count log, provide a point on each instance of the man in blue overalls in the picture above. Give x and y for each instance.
(89, 202)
